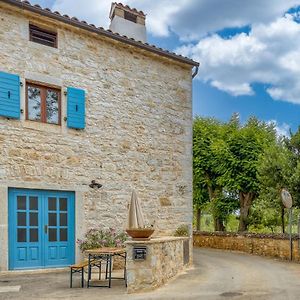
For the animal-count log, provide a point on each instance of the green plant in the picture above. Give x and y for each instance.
(182, 230)
(98, 238)
(226, 164)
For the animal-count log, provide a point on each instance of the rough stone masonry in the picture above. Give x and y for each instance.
(138, 131)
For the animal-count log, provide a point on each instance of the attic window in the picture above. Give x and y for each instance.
(42, 36)
(130, 17)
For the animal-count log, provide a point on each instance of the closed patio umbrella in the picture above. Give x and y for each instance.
(135, 215)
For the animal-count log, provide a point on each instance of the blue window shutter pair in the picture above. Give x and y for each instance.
(10, 101)
(75, 108)
(9, 95)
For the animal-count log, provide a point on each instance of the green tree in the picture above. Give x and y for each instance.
(200, 199)
(238, 160)
(206, 132)
(264, 216)
(275, 172)
(293, 145)
(279, 168)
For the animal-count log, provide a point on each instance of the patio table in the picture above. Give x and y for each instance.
(95, 256)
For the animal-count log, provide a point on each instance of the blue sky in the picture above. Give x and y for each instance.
(249, 51)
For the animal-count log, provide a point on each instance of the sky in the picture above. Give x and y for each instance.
(249, 51)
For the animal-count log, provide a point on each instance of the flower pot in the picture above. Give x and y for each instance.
(140, 234)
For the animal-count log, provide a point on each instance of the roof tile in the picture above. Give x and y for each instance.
(100, 30)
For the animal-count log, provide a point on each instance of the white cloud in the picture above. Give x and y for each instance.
(92, 11)
(270, 54)
(158, 12)
(234, 89)
(200, 17)
(190, 19)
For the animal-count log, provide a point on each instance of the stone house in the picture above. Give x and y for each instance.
(80, 104)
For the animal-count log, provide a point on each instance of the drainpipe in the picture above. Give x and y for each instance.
(195, 72)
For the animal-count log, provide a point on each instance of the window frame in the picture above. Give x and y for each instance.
(43, 88)
(33, 27)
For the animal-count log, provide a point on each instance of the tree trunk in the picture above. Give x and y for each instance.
(219, 226)
(245, 205)
(213, 194)
(198, 219)
(282, 220)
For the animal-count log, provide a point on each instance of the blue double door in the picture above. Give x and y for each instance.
(41, 229)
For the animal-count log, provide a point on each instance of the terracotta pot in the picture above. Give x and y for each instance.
(140, 233)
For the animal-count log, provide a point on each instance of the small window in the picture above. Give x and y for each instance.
(130, 17)
(43, 104)
(42, 36)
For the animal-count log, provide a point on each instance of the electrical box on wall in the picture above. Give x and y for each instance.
(139, 253)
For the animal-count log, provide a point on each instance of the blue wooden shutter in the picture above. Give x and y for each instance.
(9, 95)
(75, 108)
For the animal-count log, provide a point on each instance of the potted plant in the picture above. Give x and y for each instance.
(140, 234)
(136, 228)
(99, 238)
(182, 230)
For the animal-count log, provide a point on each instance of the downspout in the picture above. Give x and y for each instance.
(195, 72)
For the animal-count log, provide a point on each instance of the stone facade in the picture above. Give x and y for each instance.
(166, 257)
(273, 245)
(138, 131)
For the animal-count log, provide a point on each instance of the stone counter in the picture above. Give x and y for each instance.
(165, 258)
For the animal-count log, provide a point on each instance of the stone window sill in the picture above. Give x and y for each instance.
(42, 126)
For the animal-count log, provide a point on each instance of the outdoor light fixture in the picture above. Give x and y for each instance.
(94, 184)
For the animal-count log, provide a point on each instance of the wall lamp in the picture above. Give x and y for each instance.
(94, 184)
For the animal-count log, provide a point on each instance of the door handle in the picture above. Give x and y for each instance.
(46, 229)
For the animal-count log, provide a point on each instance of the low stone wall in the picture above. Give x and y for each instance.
(165, 258)
(273, 245)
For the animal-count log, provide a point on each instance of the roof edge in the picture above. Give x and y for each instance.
(99, 30)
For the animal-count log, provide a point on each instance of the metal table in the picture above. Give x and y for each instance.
(104, 255)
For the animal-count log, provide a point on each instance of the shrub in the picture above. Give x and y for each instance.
(98, 238)
(182, 230)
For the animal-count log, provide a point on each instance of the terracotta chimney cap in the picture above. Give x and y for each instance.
(126, 8)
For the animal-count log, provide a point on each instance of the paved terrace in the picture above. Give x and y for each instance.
(217, 275)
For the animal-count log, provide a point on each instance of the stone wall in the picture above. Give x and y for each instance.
(138, 127)
(166, 257)
(273, 245)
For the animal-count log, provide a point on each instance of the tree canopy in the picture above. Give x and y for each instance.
(238, 165)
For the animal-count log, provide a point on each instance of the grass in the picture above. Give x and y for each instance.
(232, 224)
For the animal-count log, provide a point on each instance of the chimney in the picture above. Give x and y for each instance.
(128, 21)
